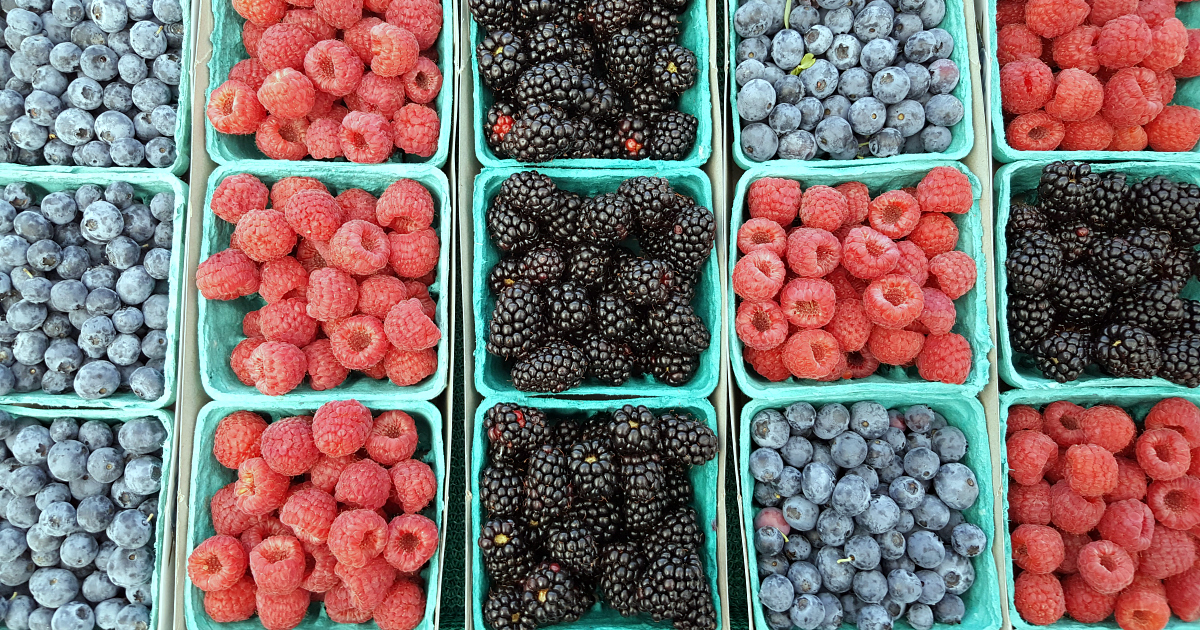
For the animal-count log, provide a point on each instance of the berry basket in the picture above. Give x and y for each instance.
(146, 183)
(696, 101)
(227, 47)
(208, 476)
(966, 413)
(1137, 402)
(963, 132)
(705, 480)
(491, 376)
(218, 318)
(1016, 368)
(972, 308)
(1187, 93)
(163, 546)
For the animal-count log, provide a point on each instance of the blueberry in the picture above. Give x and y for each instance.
(85, 487)
(797, 451)
(164, 117)
(800, 513)
(877, 54)
(863, 552)
(95, 434)
(848, 449)
(150, 93)
(106, 612)
(25, 316)
(776, 593)
(161, 152)
(27, 134)
(53, 587)
(836, 106)
(769, 429)
(30, 347)
(821, 78)
(133, 616)
(56, 382)
(921, 463)
(903, 586)
(106, 464)
(95, 513)
(784, 118)
(935, 139)
(811, 112)
(873, 23)
(854, 84)
(944, 110)
(818, 39)
(144, 475)
(850, 495)
(98, 379)
(12, 544)
(31, 445)
(42, 107)
(870, 586)
(906, 492)
(834, 527)
(926, 549)
(768, 540)
(880, 516)
(920, 47)
(766, 465)
(818, 482)
(804, 578)
(162, 206)
(154, 345)
(143, 126)
(886, 143)
(755, 99)
(821, 455)
(148, 39)
(36, 289)
(141, 436)
(28, 378)
(797, 548)
(101, 222)
(797, 145)
(830, 421)
(933, 588)
(956, 486)
(20, 607)
(759, 142)
(130, 567)
(135, 285)
(835, 136)
(140, 9)
(957, 572)
(752, 19)
(800, 417)
(891, 85)
(874, 617)
(12, 106)
(833, 611)
(40, 618)
(807, 612)
(67, 460)
(139, 222)
(130, 529)
(98, 62)
(772, 565)
(766, 494)
(140, 594)
(804, 17)
(128, 319)
(73, 616)
(787, 49)
(789, 482)
(943, 76)
(840, 20)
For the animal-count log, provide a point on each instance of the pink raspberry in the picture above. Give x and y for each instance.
(235, 603)
(381, 95)
(893, 301)
(369, 584)
(1077, 49)
(318, 28)
(808, 303)
(850, 325)
(409, 368)
(332, 294)
(1093, 134)
(378, 294)
(1106, 566)
(238, 194)
(239, 358)
(1190, 66)
(423, 82)
(287, 446)
(333, 67)
(323, 139)
(324, 370)
(216, 564)
(1170, 42)
(761, 324)
(249, 71)
(1105, 10)
(1177, 128)
(1010, 12)
(1156, 12)
(768, 363)
(264, 235)
(313, 214)
(1124, 42)
(366, 138)
(282, 138)
(1176, 503)
(287, 93)
(282, 278)
(261, 12)
(845, 286)
(811, 354)
(363, 485)
(284, 46)
(813, 252)
(1091, 470)
(409, 328)
(775, 199)
(283, 189)
(1037, 131)
(422, 18)
(287, 321)
(938, 313)
(415, 485)
(319, 574)
(935, 234)
(357, 537)
(1171, 552)
(945, 189)
(762, 234)
(954, 272)
(824, 208)
(277, 565)
(393, 438)
(895, 347)
(1026, 86)
(251, 34)
(1078, 96)
(857, 199)
(1037, 548)
(1014, 42)
(405, 206)
(1167, 84)
(1128, 139)
(359, 247)
(894, 214)
(359, 342)
(1072, 512)
(358, 204)
(912, 263)
(1128, 523)
(1131, 97)
(233, 108)
(1164, 454)
(326, 472)
(1038, 598)
(758, 275)
(415, 130)
(1051, 18)
(341, 427)
(415, 254)
(358, 38)
(394, 50)
(259, 489)
(340, 14)
(868, 254)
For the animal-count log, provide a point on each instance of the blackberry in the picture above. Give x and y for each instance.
(593, 470)
(1175, 266)
(1076, 241)
(641, 518)
(568, 308)
(1105, 208)
(673, 583)
(613, 318)
(573, 545)
(609, 16)
(659, 23)
(566, 433)
(620, 570)
(501, 57)
(1163, 202)
(653, 199)
(513, 432)
(587, 264)
(701, 616)
(548, 42)
(633, 430)
(672, 135)
(553, 368)
(493, 15)
(501, 117)
(674, 69)
(555, 83)
(1189, 324)
(627, 56)
(1030, 319)
(645, 100)
(548, 491)
(677, 327)
(1079, 297)
(1156, 307)
(685, 242)
(505, 551)
(641, 477)
(1064, 355)
(580, 51)
(610, 362)
(678, 527)
(593, 140)
(517, 323)
(1181, 360)
(564, 226)
(607, 219)
(632, 135)
(503, 610)
(1120, 264)
(602, 103)
(533, 193)
(1023, 218)
(1065, 188)
(542, 266)
(1127, 351)
(505, 273)
(541, 133)
(684, 440)
(552, 594)
(643, 343)
(645, 281)
(1034, 261)
(672, 368)
(1188, 232)
(509, 228)
(603, 517)
(677, 486)
(1157, 242)
(532, 11)
(502, 490)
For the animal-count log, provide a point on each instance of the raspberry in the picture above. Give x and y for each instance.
(1178, 414)
(868, 254)
(775, 199)
(281, 612)
(409, 328)
(217, 563)
(238, 194)
(340, 607)
(1141, 610)
(1171, 552)
(845, 286)
(227, 519)
(415, 130)
(1105, 10)
(839, 371)
(277, 367)
(1106, 566)
(332, 294)
(415, 485)
(394, 50)
(1170, 41)
(422, 18)
(378, 294)
(893, 301)
(1163, 454)
(1091, 470)
(238, 437)
(233, 108)
(1014, 42)
(309, 256)
(1036, 131)
(1128, 139)
(403, 608)
(1029, 454)
(1167, 85)
(409, 368)
(808, 302)
(277, 565)
(251, 34)
(309, 513)
(894, 214)
(1061, 420)
(1177, 129)
(357, 536)
(324, 370)
(319, 576)
(812, 252)
(313, 214)
(935, 234)
(288, 447)
(287, 93)
(1057, 470)
(283, 189)
(1077, 97)
(363, 485)
(287, 321)
(249, 71)
(380, 95)
(954, 273)
(326, 472)
(422, 83)
(757, 234)
(1077, 49)
(1176, 503)
(1131, 97)
(938, 313)
(768, 363)
(284, 46)
(358, 38)
(895, 347)
(1183, 594)
(264, 235)
(1038, 598)
(282, 278)
(333, 67)
(282, 138)
(811, 354)
(912, 263)
(1155, 12)
(340, 14)
(359, 342)
(1021, 417)
(1051, 18)
(1010, 12)
(1124, 42)
(341, 427)
(1029, 504)
(758, 275)
(358, 204)
(1107, 426)
(1084, 603)
(416, 254)
(1143, 582)
(318, 28)
(850, 325)
(1190, 66)
(359, 247)
(1072, 545)
(405, 207)
(1195, 468)
(239, 358)
(235, 603)
(945, 358)
(369, 584)
(261, 12)
(1037, 548)
(1026, 85)
(393, 438)
(762, 324)
(412, 541)
(366, 138)
(1072, 512)
(824, 208)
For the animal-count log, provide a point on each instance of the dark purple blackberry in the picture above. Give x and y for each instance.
(593, 139)
(1064, 355)
(642, 518)
(1076, 241)
(678, 527)
(540, 133)
(1030, 319)
(1023, 218)
(517, 323)
(581, 52)
(1105, 208)
(552, 594)
(548, 41)
(701, 616)
(1120, 264)
(500, 121)
(1175, 266)
(587, 264)
(614, 318)
(645, 100)
(530, 12)
(1155, 241)
(607, 219)
(677, 489)
(627, 54)
(677, 328)
(1187, 233)
(602, 103)
(493, 15)
(653, 199)
(503, 610)
(568, 308)
(672, 135)
(501, 57)
(660, 24)
(552, 368)
(603, 517)
(513, 432)
(548, 492)
(505, 551)
(672, 368)
(610, 362)
(1189, 324)
(1181, 360)
(505, 273)
(1034, 261)
(502, 490)
(641, 477)
(593, 470)
(674, 585)
(533, 193)
(572, 544)
(555, 83)
(1156, 307)
(509, 228)
(645, 281)
(542, 267)
(1127, 351)
(685, 242)
(620, 570)
(1079, 297)
(633, 430)
(609, 16)
(632, 135)
(567, 432)
(1163, 202)
(684, 440)
(564, 226)
(1065, 189)
(674, 69)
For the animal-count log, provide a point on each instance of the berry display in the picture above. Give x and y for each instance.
(92, 85)
(1100, 507)
(844, 80)
(836, 284)
(605, 517)
(595, 80)
(1096, 267)
(599, 287)
(341, 284)
(336, 507)
(82, 528)
(85, 290)
(859, 516)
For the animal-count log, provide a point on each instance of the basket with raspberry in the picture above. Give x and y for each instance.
(1102, 76)
(851, 275)
(331, 79)
(295, 518)
(331, 283)
(1103, 495)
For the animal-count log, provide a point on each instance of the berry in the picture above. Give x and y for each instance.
(264, 235)
(1027, 86)
(394, 50)
(775, 199)
(409, 368)
(235, 603)
(1131, 481)
(758, 275)
(412, 541)
(282, 278)
(408, 328)
(809, 302)
(287, 321)
(935, 234)
(227, 518)
(1107, 426)
(1177, 128)
(233, 108)
(1138, 609)
(287, 93)
(1038, 598)
(1092, 134)
(1170, 552)
(1036, 131)
(812, 252)
(277, 565)
(954, 272)
(340, 428)
(1071, 512)
(422, 18)
(324, 370)
(1131, 97)
(356, 537)
(1106, 566)
(415, 485)
(1084, 603)
(1037, 548)
(894, 214)
(405, 207)
(415, 254)
(363, 485)
(393, 438)
(1029, 504)
(277, 368)
(1078, 96)
(945, 358)
(287, 446)
(415, 130)
(309, 513)
(850, 325)
(811, 354)
(313, 214)
(938, 314)
(217, 563)
(1178, 414)
(1061, 421)
(1182, 594)
(763, 325)
(366, 138)
(281, 612)
(895, 347)
(868, 254)
(238, 437)
(1163, 454)
(227, 275)
(893, 302)
(402, 608)
(332, 294)
(824, 208)
(1090, 470)
(1014, 42)
(238, 194)
(1176, 503)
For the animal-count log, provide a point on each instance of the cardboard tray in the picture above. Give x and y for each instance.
(208, 476)
(983, 599)
(972, 308)
(218, 318)
(491, 373)
(705, 483)
(146, 183)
